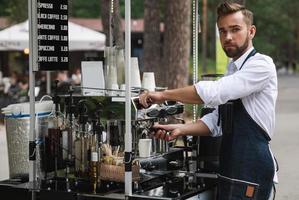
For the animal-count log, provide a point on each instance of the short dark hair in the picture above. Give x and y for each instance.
(228, 7)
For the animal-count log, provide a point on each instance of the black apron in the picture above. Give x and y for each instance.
(246, 164)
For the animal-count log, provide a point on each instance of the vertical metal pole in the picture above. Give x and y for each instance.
(32, 8)
(111, 16)
(48, 82)
(204, 35)
(195, 49)
(128, 134)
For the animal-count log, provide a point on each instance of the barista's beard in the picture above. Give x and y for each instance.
(238, 51)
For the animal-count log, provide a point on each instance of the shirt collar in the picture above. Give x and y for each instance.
(238, 63)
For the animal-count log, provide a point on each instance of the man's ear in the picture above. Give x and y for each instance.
(252, 31)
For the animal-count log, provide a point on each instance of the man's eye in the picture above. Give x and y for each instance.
(222, 32)
(235, 30)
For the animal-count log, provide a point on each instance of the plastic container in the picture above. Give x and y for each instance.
(17, 123)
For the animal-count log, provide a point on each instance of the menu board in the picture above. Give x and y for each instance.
(52, 35)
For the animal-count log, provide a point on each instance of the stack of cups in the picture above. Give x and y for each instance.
(135, 73)
(122, 90)
(148, 81)
(114, 90)
(120, 63)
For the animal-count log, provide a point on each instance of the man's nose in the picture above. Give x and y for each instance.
(228, 36)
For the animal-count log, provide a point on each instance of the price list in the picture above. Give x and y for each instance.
(52, 34)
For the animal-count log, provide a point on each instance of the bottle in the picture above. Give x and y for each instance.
(77, 153)
(94, 168)
(53, 141)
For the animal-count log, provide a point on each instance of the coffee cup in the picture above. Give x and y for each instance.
(135, 73)
(145, 147)
(148, 81)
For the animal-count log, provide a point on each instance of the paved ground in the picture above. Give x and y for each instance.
(285, 144)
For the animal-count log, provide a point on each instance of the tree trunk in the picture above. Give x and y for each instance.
(117, 33)
(176, 43)
(152, 39)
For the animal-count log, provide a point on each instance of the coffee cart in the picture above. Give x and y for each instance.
(81, 157)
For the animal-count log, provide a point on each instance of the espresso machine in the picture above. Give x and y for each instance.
(167, 172)
(72, 151)
(142, 122)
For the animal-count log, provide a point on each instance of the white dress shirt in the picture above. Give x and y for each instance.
(255, 84)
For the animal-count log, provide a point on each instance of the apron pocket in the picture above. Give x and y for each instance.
(233, 189)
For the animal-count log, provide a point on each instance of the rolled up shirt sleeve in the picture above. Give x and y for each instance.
(211, 120)
(255, 83)
(250, 79)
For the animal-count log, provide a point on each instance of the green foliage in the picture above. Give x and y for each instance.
(3, 7)
(17, 10)
(91, 8)
(275, 27)
(85, 9)
(137, 8)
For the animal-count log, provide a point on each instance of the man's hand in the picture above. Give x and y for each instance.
(167, 132)
(147, 98)
(186, 94)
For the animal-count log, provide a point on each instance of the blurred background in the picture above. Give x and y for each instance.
(161, 35)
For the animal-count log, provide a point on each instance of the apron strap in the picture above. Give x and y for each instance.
(252, 53)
